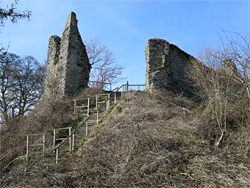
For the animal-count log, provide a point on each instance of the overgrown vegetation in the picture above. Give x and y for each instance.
(224, 86)
(150, 140)
(45, 116)
(21, 79)
(21, 82)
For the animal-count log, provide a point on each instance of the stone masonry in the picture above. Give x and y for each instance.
(167, 67)
(67, 64)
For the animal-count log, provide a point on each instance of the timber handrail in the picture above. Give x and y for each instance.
(124, 88)
(73, 132)
(63, 128)
(35, 134)
(137, 85)
(104, 83)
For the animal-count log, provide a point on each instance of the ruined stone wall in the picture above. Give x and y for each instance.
(167, 67)
(67, 64)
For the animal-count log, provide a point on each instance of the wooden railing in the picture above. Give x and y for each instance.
(101, 84)
(28, 145)
(99, 104)
(87, 100)
(126, 87)
(56, 149)
(71, 141)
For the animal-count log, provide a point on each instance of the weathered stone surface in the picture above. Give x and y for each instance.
(229, 67)
(167, 67)
(68, 64)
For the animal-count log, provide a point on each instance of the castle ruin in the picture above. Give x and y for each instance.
(67, 64)
(167, 67)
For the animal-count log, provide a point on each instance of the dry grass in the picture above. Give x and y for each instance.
(151, 140)
(154, 141)
(45, 116)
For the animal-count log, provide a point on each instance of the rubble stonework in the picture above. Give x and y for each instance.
(167, 67)
(67, 64)
(229, 67)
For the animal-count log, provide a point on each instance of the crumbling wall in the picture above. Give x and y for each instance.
(67, 64)
(54, 79)
(167, 67)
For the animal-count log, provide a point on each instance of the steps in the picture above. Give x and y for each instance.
(61, 151)
(103, 103)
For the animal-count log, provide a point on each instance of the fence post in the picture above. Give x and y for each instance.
(127, 87)
(74, 106)
(54, 138)
(56, 156)
(121, 90)
(114, 98)
(96, 102)
(27, 149)
(88, 108)
(108, 103)
(122, 93)
(70, 144)
(97, 109)
(97, 118)
(73, 141)
(87, 131)
(43, 145)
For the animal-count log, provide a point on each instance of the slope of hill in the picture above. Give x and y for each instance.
(150, 140)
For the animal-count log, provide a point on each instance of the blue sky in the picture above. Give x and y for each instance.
(126, 26)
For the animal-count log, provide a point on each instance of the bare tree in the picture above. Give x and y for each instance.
(27, 84)
(224, 82)
(237, 48)
(10, 12)
(20, 84)
(6, 82)
(104, 66)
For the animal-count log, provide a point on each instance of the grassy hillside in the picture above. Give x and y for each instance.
(148, 140)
